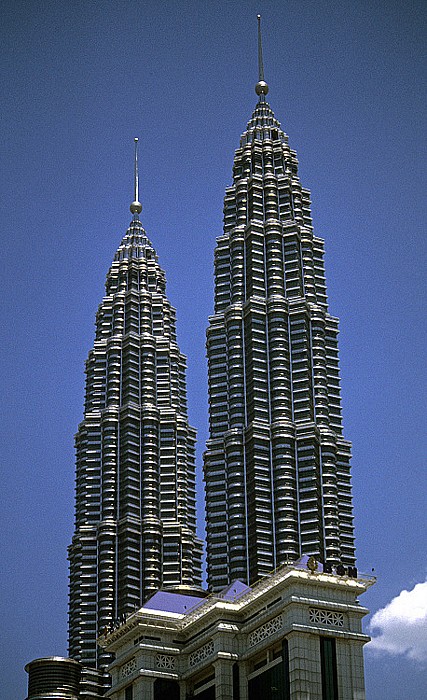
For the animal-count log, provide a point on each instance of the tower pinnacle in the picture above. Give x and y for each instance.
(261, 88)
(136, 206)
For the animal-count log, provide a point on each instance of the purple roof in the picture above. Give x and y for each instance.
(235, 590)
(166, 601)
(173, 602)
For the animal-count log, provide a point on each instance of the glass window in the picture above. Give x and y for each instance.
(328, 660)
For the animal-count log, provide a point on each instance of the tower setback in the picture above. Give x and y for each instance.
(277, 468)
(135, 514)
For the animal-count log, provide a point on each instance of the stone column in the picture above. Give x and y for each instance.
(143, 688)
(224, 675)
(304, 666)
(182, 690)
(243, 680)
(351, 681)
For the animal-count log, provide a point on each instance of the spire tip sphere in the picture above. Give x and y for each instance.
(136, 207)
(261, 88)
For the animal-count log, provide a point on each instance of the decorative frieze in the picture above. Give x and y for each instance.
(266, 630)
(128, 668)
(201, 654)
(326, 617)
(165, 661)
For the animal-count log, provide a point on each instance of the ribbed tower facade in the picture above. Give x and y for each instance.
(135, 517)
(277, 468)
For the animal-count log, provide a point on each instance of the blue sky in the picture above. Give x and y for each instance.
(79, 81)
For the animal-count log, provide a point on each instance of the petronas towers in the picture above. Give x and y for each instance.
(276, 467)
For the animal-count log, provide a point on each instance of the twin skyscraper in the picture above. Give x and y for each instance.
(276, 466)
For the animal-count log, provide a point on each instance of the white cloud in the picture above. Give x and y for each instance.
(401, 627)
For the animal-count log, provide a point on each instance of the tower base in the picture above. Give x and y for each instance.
(294, 635)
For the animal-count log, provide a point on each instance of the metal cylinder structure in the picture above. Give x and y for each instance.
(53, 678)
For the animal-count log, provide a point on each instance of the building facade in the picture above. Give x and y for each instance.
(277, 467)
(295, 635)
(135, 514)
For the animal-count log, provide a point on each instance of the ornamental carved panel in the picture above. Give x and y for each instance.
(201, 654)
(128, 668)
(165, 661)
(266, 630)
(326, 617)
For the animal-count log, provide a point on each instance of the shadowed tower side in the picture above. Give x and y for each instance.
(277, 468)
(135, 511)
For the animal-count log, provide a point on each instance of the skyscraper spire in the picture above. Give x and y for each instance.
(136, 206)
(261, 88)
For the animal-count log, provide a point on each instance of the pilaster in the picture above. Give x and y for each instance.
(144, 688)
(224, 676)
(304, 667)
(351, 682)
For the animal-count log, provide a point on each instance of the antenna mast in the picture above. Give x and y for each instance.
(261, 88)
(136, 206)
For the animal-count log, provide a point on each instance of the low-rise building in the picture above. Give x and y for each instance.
(296, 635)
